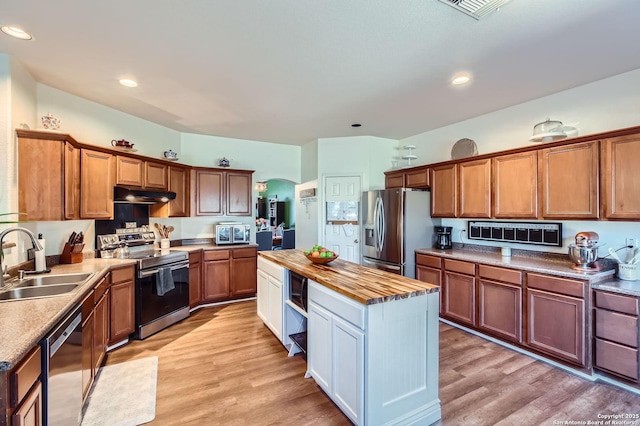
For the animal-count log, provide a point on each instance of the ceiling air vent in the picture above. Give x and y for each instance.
(475, 8)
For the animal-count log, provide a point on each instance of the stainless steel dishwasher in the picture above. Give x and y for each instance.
(62, 372)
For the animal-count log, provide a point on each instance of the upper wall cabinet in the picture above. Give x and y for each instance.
(71, 182)
(416, 178)
(474, 194)
(222, 192)
(129, 171)
(443, 191)
(621, 177)
(515, 186)
(569, 181)
(96, 185)
(155, 175)
(41, 178)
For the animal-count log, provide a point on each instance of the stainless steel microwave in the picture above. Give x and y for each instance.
(233, 233)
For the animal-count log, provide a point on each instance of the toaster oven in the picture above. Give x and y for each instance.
(233, 233)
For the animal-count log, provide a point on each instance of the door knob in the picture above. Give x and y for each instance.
(356, 241)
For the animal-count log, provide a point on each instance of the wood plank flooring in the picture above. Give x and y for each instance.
(222, 366)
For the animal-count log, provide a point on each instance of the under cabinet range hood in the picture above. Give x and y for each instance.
(122, 194)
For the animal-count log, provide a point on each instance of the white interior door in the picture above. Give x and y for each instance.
(343, 236)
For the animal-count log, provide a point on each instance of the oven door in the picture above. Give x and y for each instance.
(155, 312)
(223, 234)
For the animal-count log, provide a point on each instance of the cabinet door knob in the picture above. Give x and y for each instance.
(356, 241)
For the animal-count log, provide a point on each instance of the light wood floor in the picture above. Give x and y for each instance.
(222, 366)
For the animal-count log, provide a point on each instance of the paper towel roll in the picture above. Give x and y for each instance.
(41, 263)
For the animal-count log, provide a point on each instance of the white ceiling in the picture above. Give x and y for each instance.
(291, 71)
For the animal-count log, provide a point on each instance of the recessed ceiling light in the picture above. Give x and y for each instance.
(356, 125)
(129, 83)
(16, 32)
(461, 79)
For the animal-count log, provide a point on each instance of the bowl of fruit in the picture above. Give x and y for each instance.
(320, 255)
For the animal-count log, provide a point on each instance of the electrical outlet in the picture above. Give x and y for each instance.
(633, 242)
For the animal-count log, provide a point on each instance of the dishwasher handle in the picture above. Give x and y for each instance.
(59, 336)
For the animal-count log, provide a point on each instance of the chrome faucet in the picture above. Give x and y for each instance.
(34, 241)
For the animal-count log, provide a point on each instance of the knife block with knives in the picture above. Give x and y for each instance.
(72, 251)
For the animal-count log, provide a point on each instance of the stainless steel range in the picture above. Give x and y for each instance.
(162, 278)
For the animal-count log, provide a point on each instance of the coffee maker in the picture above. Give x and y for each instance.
(442, 237)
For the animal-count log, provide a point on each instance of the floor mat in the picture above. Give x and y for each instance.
(123, 394)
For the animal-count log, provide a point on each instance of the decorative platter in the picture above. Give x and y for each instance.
(170, 159)
(464, 148)
(123, 149)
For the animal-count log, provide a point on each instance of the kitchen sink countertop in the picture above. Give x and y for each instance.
(552, 265)
(23, 323)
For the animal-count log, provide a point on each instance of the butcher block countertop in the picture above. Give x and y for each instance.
(360, 283)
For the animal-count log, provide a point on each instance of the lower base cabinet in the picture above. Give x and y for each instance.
(556, 317)
(195, 278)
(122, 304)
(379, 362)
(229, 274)
(271, 295)
(25, 391)
(617, 335)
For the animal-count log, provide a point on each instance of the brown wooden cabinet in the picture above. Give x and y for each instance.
(96, 185)
(229, 274)
(195, 278)
(621, 177)
(129, 171)
(244, 267)
(569, 181)
(209, 192)
(30, 411)
(474, 190)
(40, 178)
(556, 317)
(71, 182)
(88, 328)
(418, 178)
(122, 304)
(459, 291)
(444, 186)
(515, 186)
(179, 183)
(394, 180)
(155, 175)
(222, 192)
(617, 335)
(500, 302)
(216, 274)
(25, 391)
(428, 268)
(101, 329)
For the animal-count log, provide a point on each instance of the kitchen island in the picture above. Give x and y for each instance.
(372, 336)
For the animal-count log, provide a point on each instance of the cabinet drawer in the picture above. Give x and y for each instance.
(617, 302)
(100, 289)
(556, 285)
(245, 252)
(617, 358)
(339, 305)
(25, 376)
(432, 261)
(216, 255)
(121, 275)
(88, 304)
(500, 274)
(195, 257)
(460, 266)
(619, 328)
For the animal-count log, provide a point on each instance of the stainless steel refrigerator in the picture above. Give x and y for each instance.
(395, 223)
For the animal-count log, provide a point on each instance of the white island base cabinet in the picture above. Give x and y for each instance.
(271, 295)
(379, 362)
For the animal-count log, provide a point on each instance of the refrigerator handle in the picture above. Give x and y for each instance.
(380, 223)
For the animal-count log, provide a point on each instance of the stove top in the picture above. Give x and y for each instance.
(155, 258)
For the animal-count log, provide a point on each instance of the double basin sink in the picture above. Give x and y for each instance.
(44, 286)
